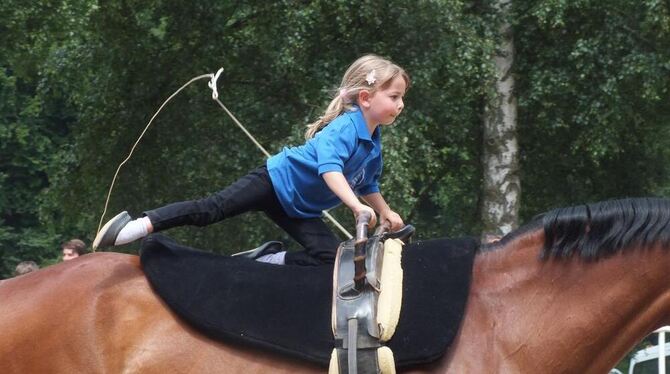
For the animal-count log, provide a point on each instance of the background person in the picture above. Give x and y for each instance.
(73, 249)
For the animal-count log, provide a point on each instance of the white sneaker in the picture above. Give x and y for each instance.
(107, 235)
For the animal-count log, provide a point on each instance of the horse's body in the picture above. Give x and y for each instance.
(98, 314)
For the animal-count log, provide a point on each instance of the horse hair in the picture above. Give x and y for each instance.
(601, 229)
(598, 230)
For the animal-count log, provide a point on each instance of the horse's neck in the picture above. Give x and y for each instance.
(528, 315)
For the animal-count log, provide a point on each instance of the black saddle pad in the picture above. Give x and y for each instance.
(287, 309)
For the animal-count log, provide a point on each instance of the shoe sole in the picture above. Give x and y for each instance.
(264, 249)
(107, 235)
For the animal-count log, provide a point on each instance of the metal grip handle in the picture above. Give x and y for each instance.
(362, 223)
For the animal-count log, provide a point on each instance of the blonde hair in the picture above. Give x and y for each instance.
(354, 81)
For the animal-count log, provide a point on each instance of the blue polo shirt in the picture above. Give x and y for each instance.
(344, 145)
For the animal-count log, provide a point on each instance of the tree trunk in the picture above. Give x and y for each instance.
(502, 188)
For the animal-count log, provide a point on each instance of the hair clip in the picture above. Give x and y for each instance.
(370, 78)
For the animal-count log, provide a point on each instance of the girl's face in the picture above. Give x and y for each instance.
(386, 104)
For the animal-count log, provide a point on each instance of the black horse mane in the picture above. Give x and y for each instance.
(601, 229)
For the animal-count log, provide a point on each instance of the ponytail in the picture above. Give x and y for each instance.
(335, 108)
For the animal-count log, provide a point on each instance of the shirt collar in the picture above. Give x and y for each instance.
(356, 115)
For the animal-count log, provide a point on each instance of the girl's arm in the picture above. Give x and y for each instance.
(338, 184)
(377, 202)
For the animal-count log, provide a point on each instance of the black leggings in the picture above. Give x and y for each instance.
(253, 192)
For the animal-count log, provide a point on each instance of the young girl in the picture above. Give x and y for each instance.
(340, 162)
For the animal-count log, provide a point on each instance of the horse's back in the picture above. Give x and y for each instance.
(51, 318)
(97, 313)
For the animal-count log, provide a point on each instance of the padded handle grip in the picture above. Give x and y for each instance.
(362, 224)
(403, 234)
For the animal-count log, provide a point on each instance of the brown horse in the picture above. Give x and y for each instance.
(571, 292)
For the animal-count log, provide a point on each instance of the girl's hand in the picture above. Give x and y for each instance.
(359, 208)
(393, 219)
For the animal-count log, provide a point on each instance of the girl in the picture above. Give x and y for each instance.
(340, 162)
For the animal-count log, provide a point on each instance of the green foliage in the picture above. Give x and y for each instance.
(34, 122)
(593, 89)
(81, 79)
(282, 61)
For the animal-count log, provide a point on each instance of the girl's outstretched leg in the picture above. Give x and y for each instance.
(251, 192)
(314, 235)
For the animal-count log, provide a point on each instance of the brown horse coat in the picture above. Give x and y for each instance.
(97, 313)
